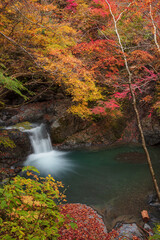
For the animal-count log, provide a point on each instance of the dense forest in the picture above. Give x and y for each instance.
(102, 58)
(73, 44)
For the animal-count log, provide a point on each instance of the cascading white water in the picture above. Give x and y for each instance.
(40, 139)
(44, 158)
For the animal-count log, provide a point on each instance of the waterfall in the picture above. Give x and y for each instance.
(44, 157)
(40, 139)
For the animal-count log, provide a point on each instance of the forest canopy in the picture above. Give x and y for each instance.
(73, 44)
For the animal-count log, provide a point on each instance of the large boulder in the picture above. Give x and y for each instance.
(66, 126)
(129, 231)
(84, 134)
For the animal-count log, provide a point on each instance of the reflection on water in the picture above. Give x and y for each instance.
(118, 177)
(98, 177)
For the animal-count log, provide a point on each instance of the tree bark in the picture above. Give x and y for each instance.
(135, 105)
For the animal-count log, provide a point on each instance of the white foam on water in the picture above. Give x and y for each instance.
(44, 157)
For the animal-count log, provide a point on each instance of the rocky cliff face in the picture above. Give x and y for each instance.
(70, 132)
(151, 128)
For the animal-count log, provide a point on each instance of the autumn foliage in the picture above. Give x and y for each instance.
(28, 207)
(88, 224)
(72, 44)
(33, 208)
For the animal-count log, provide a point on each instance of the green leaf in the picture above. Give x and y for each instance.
(3, 204)
(29, 201)
(13, 85)
(73, 225)
(7, 237)
(30, 168)
(2, 65)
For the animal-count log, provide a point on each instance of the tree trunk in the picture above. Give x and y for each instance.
(135, 105)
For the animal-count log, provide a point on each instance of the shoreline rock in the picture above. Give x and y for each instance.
(71, 132)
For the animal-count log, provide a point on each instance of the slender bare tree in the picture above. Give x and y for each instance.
(134, 98)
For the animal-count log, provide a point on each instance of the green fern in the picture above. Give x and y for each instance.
(13, 84)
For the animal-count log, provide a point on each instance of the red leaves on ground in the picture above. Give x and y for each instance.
(89, 223)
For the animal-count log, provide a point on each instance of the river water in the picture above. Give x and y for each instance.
(117, 177)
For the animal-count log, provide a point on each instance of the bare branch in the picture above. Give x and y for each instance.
(22, 48)
(107, 37)
(120, 15)
(27, 74)
(154, 27)
(35, 23)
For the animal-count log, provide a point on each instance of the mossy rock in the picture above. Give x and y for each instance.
(23, 126)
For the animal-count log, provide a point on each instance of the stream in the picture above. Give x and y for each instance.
(116, 178)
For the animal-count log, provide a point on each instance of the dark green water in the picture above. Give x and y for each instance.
(103, 176)
(115, 181)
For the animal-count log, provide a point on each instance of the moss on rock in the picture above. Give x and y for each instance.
(23, 125)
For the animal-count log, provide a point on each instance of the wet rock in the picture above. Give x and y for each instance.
(71, 132)
(68, 130)
(148, 228)
(151, 129)
(155, 204)
(95, 135)
(154, 217)
(2, 123)
(33, 112)
(152, 198)
(6, 114)
(129, 231)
